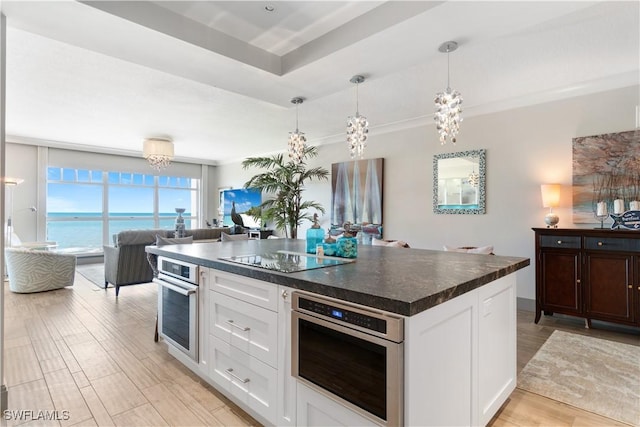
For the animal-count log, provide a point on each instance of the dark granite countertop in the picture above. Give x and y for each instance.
(399, 280)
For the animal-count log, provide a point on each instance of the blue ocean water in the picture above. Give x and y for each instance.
(87, 233)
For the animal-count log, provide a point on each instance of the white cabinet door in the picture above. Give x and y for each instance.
(315, 409)
(252, 329)
(460, 357)
(251, 382)
(440, 362)
(253, 291)
(286, 382)
(497, 341)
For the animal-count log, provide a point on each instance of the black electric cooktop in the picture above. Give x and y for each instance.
(286, 262)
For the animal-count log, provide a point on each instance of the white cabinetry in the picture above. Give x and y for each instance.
(497, 352)
(252, 329)
(249, 345)
(286, 383)
(460, 357)
(315, 409)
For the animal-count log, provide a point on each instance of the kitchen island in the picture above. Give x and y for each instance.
(459, 350)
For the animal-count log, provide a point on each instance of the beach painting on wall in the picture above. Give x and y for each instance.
(243, 199)
(356, 192)
(612, 157)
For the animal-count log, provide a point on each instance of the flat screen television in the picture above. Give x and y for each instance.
(245, 199)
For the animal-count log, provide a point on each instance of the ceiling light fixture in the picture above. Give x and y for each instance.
(296, 139)
(158, 152)
(357, 126)
(448, 104)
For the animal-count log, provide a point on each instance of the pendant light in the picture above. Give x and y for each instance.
(297, 139)
(448, 104)
(357, 126)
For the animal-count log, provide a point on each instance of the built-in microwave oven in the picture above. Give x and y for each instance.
(350, 353)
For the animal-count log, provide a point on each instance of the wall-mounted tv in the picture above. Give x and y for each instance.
(244, 199)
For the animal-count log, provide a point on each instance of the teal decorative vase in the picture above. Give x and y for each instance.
(315, 235)
(347, 247)
(330, 249)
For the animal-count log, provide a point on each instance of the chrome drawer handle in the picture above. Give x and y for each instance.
(243, 381)
(242, 328)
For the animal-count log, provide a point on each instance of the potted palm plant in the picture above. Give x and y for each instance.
(285, 181)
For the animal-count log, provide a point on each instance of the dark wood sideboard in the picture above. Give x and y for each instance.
(590, 273)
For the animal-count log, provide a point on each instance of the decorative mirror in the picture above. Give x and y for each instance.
(459, 182)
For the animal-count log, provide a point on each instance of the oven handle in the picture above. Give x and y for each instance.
(185, 290)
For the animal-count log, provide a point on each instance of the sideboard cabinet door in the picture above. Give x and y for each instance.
(558, 284)
(609, 287)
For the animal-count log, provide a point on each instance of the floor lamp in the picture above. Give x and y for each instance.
(10, 184)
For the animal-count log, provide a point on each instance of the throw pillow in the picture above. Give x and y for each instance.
(162, 241)
(486, 250)
(454, 249)
(378, 242)
(232, 237)
(389, 243)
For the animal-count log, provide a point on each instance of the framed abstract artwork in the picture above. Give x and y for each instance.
(605, 167)
(356, 192)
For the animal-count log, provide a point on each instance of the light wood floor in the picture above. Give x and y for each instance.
(80, 350)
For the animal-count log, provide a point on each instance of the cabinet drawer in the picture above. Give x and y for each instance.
(256, 292)
(572, 242)
(252, 329)
(612, 244)
(252, 382)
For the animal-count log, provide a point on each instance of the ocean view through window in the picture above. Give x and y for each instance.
(86, 207)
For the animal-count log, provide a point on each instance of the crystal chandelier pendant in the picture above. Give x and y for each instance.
(297, 140)
(357, 130)
(357, 127)
(159, 162)
(474, 179)
(448, 114)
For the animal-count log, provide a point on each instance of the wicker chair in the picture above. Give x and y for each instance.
(37, 271)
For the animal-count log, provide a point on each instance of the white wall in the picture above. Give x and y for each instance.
(22, 163)
(526, 147)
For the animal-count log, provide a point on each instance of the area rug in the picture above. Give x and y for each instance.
(93, 272)
(593, 374)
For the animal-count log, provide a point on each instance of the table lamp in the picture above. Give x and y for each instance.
(551, 199)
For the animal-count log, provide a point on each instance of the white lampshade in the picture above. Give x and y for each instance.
(550, 195)
(551, 199)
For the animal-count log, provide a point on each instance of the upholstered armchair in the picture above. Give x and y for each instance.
(126, 262)
(37, 271)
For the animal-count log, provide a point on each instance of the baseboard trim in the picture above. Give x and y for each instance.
(526, 304)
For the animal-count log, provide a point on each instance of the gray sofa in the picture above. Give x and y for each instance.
(126, 263)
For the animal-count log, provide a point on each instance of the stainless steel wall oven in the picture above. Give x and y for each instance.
(350, 353)
(178, 304)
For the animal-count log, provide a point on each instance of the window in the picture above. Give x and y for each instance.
(86, 207)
